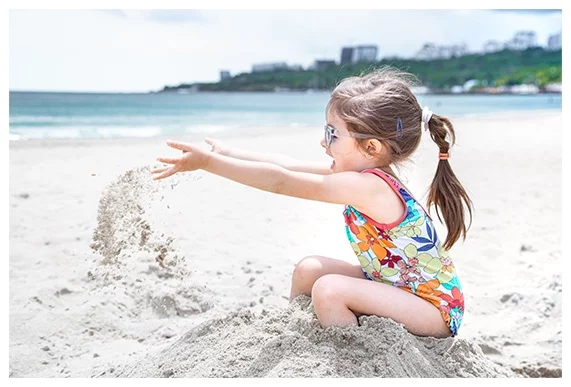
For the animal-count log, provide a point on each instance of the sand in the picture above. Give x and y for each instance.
(291, 343)
(113, 274)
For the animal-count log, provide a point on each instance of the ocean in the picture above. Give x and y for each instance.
(43, 115)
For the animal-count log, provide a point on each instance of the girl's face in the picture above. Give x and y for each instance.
(343, 149)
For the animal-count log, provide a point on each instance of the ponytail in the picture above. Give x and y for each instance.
(446, 193)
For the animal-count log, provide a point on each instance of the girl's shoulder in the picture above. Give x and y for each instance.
(388, 206)
(410, 202)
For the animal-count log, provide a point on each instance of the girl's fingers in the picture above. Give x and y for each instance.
(163, 172)
(167, 160)
(167, 173)
(214, 145)
(159, 170)
(179, 145)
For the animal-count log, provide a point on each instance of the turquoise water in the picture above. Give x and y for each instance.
(90, 115)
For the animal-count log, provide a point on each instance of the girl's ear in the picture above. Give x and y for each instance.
(374, 147)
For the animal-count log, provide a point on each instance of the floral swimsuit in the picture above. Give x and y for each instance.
(407, 254)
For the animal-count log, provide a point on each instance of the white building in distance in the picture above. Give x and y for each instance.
(224, 74)
(261, 67)
(554, 42)
(322, 64)
(522, 40)
(366, 53)
(431, 51)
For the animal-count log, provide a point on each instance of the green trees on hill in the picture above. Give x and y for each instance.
(536, 66)
(506, 67)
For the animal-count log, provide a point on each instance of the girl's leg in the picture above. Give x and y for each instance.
(337, 299)
(309, 269)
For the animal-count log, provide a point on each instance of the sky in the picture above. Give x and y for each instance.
(144, 50)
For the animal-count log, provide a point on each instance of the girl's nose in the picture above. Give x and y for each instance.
(322, 142)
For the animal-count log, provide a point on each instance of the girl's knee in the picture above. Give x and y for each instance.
(325, 290)
(305, 273)
(308, 269)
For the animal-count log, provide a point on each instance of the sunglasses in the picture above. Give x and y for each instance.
(331, 133)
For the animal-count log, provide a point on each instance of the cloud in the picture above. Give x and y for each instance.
(115, 12)
(174, 16)
(532, 11)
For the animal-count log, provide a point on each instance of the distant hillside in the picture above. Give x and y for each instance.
(536, 66)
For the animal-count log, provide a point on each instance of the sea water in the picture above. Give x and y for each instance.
(41, 115)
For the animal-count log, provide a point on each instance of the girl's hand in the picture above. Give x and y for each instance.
(192, 158)
(216, 146)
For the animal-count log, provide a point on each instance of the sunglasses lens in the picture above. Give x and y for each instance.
(327, 136)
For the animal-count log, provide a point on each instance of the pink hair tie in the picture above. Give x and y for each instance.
(443, 156)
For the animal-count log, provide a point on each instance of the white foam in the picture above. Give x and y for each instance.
(198, 129)
(138, 132)
(79, 132)
(42, 133)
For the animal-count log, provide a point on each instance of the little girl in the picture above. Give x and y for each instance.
(404, 271)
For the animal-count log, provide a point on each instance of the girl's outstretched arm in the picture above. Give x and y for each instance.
(259, 175)
(278, 159)
(274, 178)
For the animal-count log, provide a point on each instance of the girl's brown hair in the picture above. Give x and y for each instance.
(381, 104)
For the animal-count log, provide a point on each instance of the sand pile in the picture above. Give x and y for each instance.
(290, 343)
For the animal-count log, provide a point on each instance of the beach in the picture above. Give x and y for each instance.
(113, 274)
